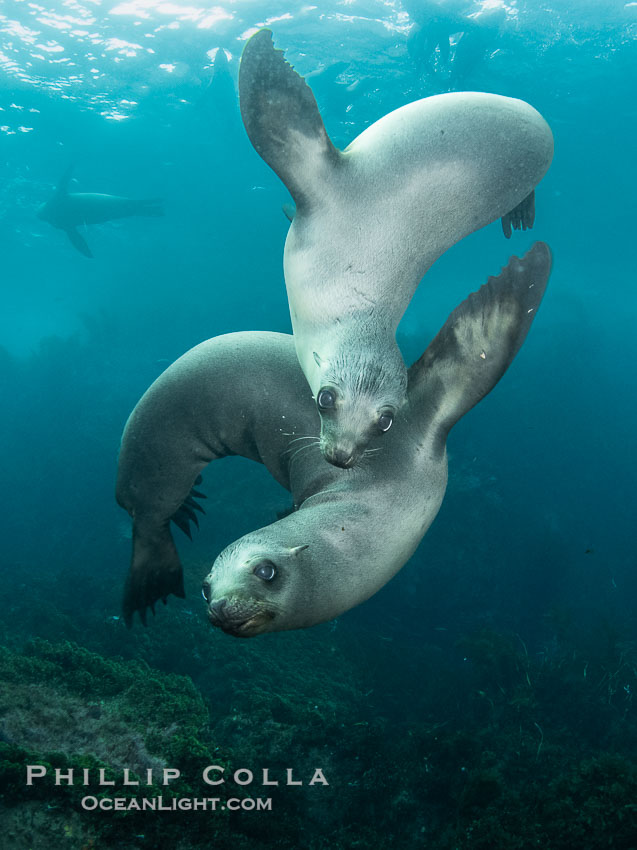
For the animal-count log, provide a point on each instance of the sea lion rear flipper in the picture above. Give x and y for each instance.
(185, 514)
(289, 211)
(149, 206)
(78, 242)
(520, 217)
(479, 341)
(282, 118)
(155, 571)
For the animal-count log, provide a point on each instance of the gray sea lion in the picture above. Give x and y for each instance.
(370, 220)
(245, 394)
(69, 210)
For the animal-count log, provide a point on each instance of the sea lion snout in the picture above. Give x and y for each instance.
(239, 618)
(346, 437)
(224, 617)
(342, 458)
(216, 612)
(343, 450)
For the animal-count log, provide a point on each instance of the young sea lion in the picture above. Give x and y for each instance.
(370, 220)
(353, 529)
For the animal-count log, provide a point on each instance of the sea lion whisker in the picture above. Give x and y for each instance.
(302, 448)
(290, 434)
(298, 451)
(316, 441)
(364, 461)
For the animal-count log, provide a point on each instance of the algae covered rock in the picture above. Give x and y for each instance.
(63, 707)
(63, 698)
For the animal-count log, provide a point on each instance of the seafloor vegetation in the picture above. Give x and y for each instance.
(493, 746)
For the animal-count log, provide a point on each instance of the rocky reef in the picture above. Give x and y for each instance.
(498, 747)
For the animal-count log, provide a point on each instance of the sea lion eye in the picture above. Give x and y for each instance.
(325, 399)
(385, 421)
(265, 570)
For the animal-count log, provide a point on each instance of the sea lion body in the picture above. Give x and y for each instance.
(69, 210)
(79, 208)
(353, 529)
(371, 220)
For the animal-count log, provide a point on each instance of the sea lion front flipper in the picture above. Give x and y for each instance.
(62, 187)
(282, 118)
(78, 242)
(479, 341)
(155, 571)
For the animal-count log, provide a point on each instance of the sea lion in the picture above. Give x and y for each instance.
(245, 394)
(370, 220)
(68, 210)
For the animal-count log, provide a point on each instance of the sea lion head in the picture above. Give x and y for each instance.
(44, 212)
(253, 586)
(358, 396)
(50, 213)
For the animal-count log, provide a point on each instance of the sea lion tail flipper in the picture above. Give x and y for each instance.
(479, 341)
(78, 242)
(520, 217)
(155, 571)
(282, 119)
(150, 206)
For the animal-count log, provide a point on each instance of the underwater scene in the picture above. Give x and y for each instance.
(400, 605)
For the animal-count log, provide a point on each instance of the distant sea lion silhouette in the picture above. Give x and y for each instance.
(219, 98)
(69, 210)
(370, 220)
(437, 24)
(245, 394)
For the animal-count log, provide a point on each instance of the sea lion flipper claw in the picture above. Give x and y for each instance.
(182, 523)
(185, 514)
(520, 217)
(479, 341)
(281, 117)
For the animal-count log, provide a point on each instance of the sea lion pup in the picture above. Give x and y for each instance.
(68, 210)
(245, 394)
(370, 220)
